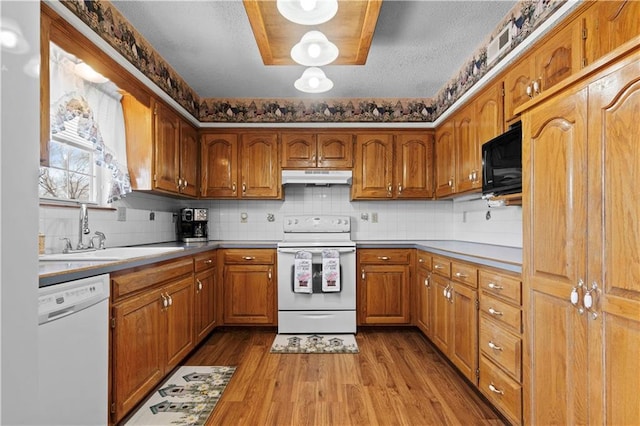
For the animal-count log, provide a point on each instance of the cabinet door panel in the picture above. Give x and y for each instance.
(249, 295)
(558, 57)
(467, 150)
(608, 25)
(441, 312)
(205, 303)
(414, 171)
(516, 82)
(385, 294)
(614, 241)
(298, 150)
(260, 166)
(167, 149)
(219, 165)
(554, 259)
(189, 159)
(445, 160)
(464, 326)
(335, 150)
(136, 350)
(179, 321)
(373, 174)
(424, 302)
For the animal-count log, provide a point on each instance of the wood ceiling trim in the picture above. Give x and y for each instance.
(351, 30)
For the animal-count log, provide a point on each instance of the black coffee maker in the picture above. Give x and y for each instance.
(192, 225)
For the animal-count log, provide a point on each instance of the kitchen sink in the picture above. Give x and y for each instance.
(112, 253)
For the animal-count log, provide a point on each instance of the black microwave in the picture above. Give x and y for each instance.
(502, 163)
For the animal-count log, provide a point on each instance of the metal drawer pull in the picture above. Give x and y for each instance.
(494, 346)
(165, 302)
(461, 275)
(248, 257)
(494, 312)
(384, 258)
(199, 285)
(437, 266)
(420, 260)
(426, 282)
(170, 299)
(208, 261)
(494, 389)
(363, 274)
(269, 274)
(495, 286)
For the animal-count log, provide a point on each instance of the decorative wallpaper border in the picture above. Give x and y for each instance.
(106, 21)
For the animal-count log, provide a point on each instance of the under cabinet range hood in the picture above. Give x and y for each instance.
(316, 177)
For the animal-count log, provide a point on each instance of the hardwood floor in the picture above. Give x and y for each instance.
(396, 379)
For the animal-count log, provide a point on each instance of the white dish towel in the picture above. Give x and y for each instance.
(330, 270)
(302, 273)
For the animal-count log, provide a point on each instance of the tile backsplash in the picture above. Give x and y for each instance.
(371, 220)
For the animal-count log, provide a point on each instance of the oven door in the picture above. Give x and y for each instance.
(345, 299)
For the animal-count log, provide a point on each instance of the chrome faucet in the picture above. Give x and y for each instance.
(101, 237)
(83, 226)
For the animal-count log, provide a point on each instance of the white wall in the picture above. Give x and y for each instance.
(19, 158)
(397, 220)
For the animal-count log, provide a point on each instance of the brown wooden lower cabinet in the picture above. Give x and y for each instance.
(249, 286)
(205, 298)
(151, 329)
(383, 286)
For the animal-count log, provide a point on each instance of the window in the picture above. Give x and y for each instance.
(87, 148)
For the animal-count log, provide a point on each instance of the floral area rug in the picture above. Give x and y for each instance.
(188, 397)
(314, 344)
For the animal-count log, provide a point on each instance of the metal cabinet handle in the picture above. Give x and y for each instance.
(536, 87)
(529, 91)
(574, 297)
(450, 294)
(494, 286)
(461, 275)
(494, 389)
(445, 291)
(494, 346)
(363, 274)
(384, 258)
(165, 302)
(438, 266)
(427, 284)
(450, 183)
(178, 183)
(269, 274)
(399, 188)
(234, 187)
(199, 285)
(420, 260)
(589, 299)
(208, 261)
(248, 257)
(389, 188)
(494, 312)
(244, 188)
(170, 299)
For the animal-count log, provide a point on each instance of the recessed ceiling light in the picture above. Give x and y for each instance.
(314, 49)
(308, 12)
(313, 80)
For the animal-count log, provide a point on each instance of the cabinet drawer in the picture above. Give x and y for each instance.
(249, 257)
(441, 266)
(501, 347)
(501, 286)
(132, 280)
(507, 315)
(504, 392)
(391, 256)
(204, 261)
(464, 273)
(424, 260)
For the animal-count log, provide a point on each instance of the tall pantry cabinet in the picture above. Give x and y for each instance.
(581, 261)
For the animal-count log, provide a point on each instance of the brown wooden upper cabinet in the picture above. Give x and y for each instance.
(607, 25)
(393, 166)
(322, 150)
(162, 148)
(445, 149)
(240, 165)
(549, 63)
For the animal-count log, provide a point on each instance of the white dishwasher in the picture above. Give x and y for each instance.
(73, 352)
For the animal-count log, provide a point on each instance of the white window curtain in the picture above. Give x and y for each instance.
(101, 120)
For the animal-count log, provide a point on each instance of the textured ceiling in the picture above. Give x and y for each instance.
(417, 47)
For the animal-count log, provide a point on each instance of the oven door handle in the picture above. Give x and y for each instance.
(315, 251)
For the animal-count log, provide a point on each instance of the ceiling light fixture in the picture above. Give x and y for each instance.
(89, 74)
(313, 80)
(11, 39)
(314, 49)
(308, 12)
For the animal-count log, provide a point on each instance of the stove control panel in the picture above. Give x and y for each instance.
(317, 223)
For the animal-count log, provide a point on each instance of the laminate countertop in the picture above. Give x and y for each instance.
(55, 272)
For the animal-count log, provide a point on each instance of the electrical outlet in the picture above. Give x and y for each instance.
(364, 216)
(271, 217)
(374, 217)
(122, 214)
